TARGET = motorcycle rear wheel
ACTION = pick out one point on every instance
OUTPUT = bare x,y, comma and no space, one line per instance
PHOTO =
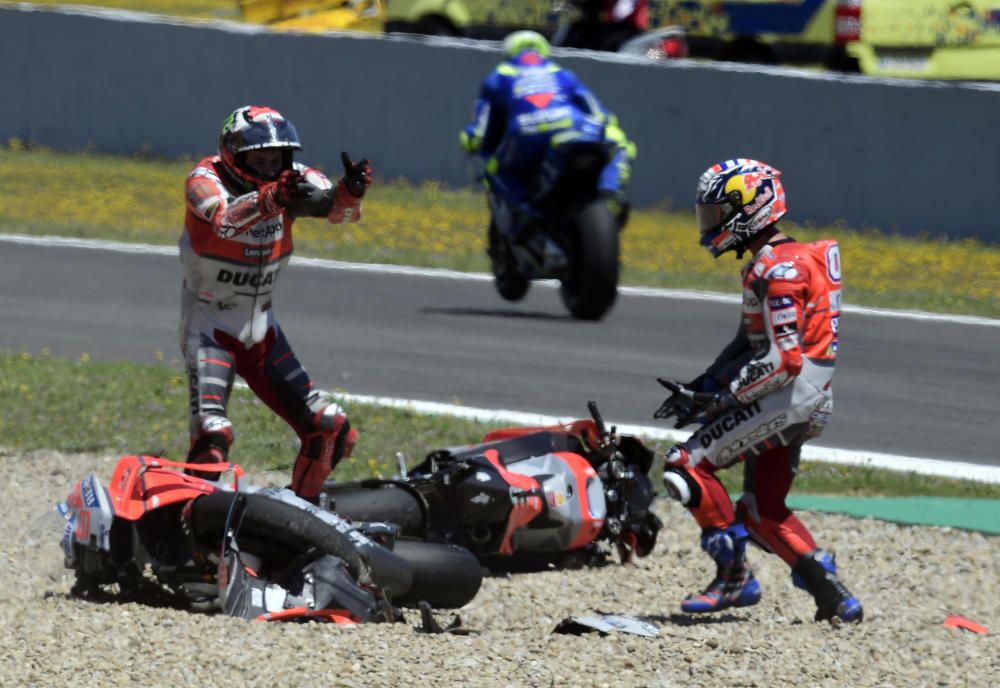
510,283
592,286
274,531
388,503
445,575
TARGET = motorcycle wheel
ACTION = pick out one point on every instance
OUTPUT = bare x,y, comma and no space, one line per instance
592,285
510,283
388,503
444,575
274,531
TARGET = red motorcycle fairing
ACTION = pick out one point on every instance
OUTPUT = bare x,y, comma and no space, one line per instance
585,430
591,517
590,522
341,617
526,505
143,483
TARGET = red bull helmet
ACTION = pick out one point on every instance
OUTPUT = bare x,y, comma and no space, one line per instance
735,201
255,128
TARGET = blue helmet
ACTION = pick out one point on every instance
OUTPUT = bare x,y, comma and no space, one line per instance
250,128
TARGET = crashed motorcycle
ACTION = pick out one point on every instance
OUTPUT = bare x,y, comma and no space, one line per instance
564,496
574,237
160,535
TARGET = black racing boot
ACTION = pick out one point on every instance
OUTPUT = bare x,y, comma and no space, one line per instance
816,573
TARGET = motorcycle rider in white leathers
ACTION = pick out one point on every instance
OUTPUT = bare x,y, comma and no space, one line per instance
768,392
241,205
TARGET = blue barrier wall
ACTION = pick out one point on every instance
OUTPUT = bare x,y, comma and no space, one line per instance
911,157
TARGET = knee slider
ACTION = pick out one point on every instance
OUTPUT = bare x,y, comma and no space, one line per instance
681,486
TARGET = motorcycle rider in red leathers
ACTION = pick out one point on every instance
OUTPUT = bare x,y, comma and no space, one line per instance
763,397
241,205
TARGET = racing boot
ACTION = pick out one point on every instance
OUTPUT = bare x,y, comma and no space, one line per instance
816,573
734,584
211,445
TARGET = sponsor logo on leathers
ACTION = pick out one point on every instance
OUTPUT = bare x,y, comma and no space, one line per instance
727,423
241,278
738,446
785,315
270,230
756,371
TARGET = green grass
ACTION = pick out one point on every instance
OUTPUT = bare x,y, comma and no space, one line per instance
226,9
127,408
132,408
133,199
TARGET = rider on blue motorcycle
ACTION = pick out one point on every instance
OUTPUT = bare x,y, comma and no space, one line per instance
529,114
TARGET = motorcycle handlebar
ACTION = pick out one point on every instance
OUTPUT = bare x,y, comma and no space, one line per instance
606,442
598,420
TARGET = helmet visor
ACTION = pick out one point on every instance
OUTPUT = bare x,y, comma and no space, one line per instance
711,216
269,133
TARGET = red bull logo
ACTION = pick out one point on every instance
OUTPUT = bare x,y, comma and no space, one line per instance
766,195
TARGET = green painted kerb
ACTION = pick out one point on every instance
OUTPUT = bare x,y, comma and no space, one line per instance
969,514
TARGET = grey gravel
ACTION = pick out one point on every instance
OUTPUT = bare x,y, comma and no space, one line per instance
909,578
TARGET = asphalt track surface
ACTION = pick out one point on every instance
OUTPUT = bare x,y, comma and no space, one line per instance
912,387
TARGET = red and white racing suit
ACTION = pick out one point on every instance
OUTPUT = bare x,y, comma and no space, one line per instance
779,367
233,249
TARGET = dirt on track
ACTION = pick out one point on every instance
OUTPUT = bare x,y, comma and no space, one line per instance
909,579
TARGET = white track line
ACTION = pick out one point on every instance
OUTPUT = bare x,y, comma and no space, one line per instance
685,294
935,467
932,467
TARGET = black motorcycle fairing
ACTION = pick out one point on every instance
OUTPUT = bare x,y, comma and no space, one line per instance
636,453
575,184
510,450
485,494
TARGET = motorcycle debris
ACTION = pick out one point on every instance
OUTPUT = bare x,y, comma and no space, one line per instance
605,624
965,623
428,624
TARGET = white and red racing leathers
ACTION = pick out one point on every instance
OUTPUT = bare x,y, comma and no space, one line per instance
779,368
233,249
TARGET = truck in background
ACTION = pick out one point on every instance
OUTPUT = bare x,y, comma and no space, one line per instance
934,39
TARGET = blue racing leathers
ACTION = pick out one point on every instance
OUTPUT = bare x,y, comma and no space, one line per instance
529,114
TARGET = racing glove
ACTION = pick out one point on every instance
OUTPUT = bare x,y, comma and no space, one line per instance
357,175
290,186
347,194
689,405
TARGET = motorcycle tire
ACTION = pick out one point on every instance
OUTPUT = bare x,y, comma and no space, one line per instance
592,286
387,503
510,284
276,532
446,576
